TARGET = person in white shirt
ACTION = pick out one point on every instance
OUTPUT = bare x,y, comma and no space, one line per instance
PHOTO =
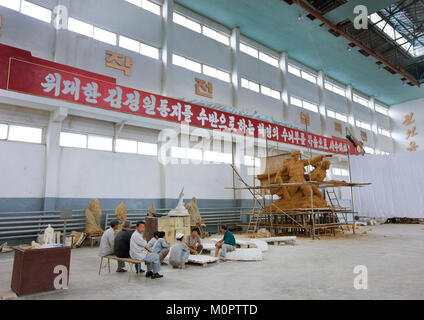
140,251
107,242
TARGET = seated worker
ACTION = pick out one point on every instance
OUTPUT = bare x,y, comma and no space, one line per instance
194,243
122,246
108,239
161,247
152,241
179,253
227,244
140,251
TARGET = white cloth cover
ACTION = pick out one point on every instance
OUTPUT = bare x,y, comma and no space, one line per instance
260,244
397,185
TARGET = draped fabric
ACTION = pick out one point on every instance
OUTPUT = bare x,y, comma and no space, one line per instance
397,185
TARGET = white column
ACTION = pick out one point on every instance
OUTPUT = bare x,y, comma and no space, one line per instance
374,127
62,53
284,66
235,76
322,104
167,45
52,158
349,99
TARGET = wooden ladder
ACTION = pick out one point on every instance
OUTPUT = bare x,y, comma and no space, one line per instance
253,223
334,202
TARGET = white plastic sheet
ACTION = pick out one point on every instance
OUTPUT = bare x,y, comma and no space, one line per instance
397,185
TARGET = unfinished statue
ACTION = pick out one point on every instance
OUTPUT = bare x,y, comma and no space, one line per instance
121,212
152,210
293,171
193,209
93,214
48,237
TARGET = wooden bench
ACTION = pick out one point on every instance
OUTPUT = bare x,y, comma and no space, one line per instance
130,261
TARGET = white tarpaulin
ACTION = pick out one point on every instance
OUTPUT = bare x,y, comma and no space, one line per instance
397,185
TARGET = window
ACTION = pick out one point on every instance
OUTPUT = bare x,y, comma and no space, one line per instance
25,134
104,36
194,154
208,32
369,150
211,156
336,115
146,5
295,71
226,158
260,88
73,140
303,74
268,59
178,152
35,11
127,146
149,149
384,132
250,161
11,4
249,50
3,131
363,125
381,110
360,100
185,22
215,73
331,87
340,172
100,143
303,104
149,51
186,63
80,27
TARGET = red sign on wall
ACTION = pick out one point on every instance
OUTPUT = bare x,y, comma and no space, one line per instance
47,81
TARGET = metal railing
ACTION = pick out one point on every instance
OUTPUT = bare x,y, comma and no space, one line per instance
20,226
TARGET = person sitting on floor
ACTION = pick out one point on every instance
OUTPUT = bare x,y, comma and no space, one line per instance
108,239
227,244
161,247
152,241
122,246
194,243
140,251
179,253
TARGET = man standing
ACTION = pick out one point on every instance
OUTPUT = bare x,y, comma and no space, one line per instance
140,251
108,239
122,245
179,253
193,242
227,244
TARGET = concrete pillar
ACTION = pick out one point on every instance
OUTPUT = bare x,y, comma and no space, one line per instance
235,58
374,126
52,158
60,22
167,45
322,105
284,70
349,99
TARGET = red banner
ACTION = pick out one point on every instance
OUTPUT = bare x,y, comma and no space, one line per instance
40,80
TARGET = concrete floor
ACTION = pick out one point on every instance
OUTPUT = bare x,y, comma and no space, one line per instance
320,269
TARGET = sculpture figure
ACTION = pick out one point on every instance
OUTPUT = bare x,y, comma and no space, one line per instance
48,237
121,213
93,215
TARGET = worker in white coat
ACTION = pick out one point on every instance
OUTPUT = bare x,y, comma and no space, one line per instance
107,242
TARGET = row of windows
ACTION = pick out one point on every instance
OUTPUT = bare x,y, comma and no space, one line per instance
200,68
302,74
260,88
336,115
360,100
197,27
29,9
255,53
20,133
363,125
303,104
333,88
147,5
99,34
384,132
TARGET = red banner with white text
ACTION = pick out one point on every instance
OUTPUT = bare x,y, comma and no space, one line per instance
46,81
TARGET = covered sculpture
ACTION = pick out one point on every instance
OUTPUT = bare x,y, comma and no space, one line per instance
121,212
93,215
194,212
152,210
293,171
